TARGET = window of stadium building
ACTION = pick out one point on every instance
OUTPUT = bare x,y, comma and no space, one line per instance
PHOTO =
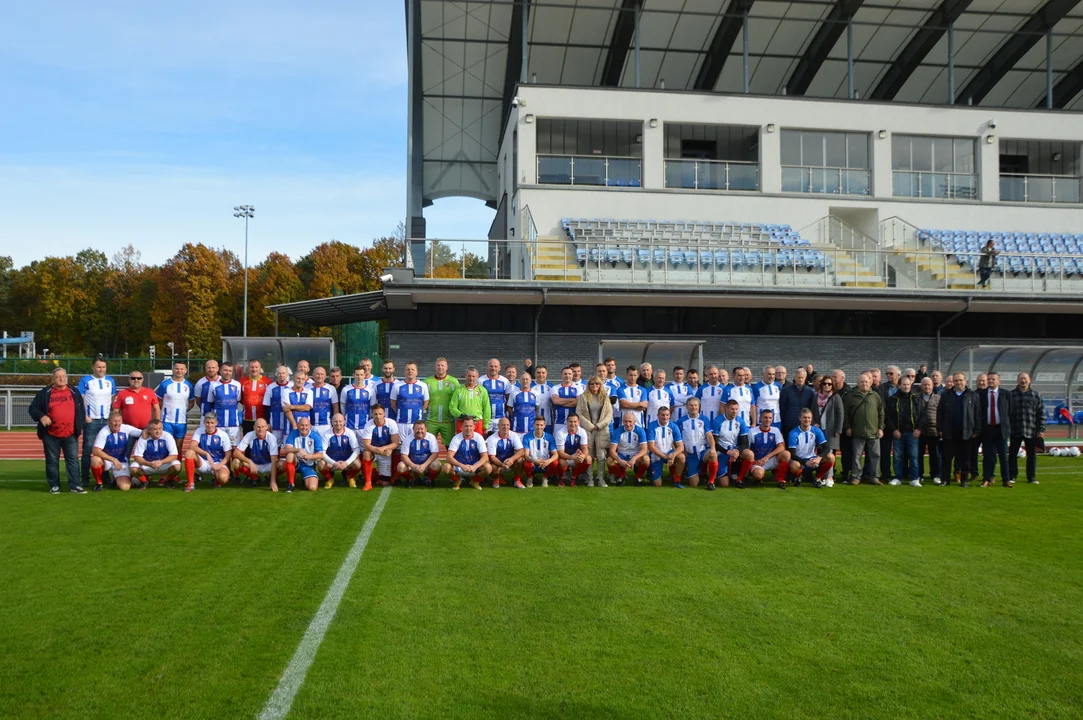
1040,171
933,167
607,153
825,162
712,157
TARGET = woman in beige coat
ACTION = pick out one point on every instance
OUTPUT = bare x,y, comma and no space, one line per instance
595,416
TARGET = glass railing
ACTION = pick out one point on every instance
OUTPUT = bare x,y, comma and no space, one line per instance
826,180
712,175
1040,188
945,186
606,171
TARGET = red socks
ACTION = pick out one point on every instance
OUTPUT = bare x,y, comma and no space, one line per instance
97,472
712,471
434,473
746,465
328,474
528,468
291,472
190,470
823,470
366,468
640,471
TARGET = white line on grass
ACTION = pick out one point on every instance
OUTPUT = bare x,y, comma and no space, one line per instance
278,705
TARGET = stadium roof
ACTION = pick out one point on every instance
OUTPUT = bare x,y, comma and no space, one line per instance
467,58
336,310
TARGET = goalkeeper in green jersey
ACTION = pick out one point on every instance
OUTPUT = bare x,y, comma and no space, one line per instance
441,387
472,399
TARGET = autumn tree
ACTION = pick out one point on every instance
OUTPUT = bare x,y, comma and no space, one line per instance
188,305
272,282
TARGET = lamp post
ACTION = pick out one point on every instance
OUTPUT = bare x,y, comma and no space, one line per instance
247,212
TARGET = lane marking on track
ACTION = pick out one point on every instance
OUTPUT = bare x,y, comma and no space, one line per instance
281,700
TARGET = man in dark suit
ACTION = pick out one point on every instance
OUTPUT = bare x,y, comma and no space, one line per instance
958,421
996,425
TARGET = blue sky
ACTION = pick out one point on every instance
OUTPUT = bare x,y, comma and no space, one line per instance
145,123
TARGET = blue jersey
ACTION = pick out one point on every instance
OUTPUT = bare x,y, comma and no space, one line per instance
379,435
151,450
313,443
262,451
323,400
503,448
304,397
273,400
174,398
356,402
466,450
97,396
711,398
421,450
763,443
545,401
694,434
340,447
560,412
498,388
629,442
571,442
665,437
383,393
540,448
115,444
409,399
203,394
728,433
766,397
226,400
524,408
216,445
805,442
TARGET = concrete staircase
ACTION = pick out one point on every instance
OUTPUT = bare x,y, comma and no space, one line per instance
955,277
556,260
851,273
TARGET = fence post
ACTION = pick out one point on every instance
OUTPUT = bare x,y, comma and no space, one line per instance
7,409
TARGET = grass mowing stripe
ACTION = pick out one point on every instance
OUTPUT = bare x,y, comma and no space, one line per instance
278,705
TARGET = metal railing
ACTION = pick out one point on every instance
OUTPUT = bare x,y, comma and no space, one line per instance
825,180
943,185
15,407
712,175
598,170
852,260
1040,188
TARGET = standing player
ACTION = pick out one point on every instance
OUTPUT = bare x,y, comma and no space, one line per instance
225,398
257,455
667,449
420,464
297,402
695,432
523,404
156,454
304,451
467,456
366,365
681,392
693,383
111,452
573,447
276,395
473,400
729,445
498,387
768,450
208,453
766,393
175,394
409,402
632,398
505,453
712,395
544,388
324,401
628,450
204,385
511,373
441,387
340,452
577,377
97,390
304,368
564,398
658,397
808,447
386,385
541,455
137,404
742,394
380,440
356,400
253,389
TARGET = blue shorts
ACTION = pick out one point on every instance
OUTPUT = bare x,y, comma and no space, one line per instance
656,467
692,462
306,471
176,430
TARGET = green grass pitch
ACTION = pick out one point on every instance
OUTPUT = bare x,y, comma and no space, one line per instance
557,603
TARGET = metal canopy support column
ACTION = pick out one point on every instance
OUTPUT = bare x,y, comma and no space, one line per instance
733,21
621,41
951,64
1049,69
744,49
638,12
1067,88
850,56
415,166
523,77
921,44
829,32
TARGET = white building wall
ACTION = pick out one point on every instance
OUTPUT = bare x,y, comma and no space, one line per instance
549,203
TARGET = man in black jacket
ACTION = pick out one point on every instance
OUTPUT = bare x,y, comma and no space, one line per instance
887,390
996,426
958,421
841,389
901,423
61,416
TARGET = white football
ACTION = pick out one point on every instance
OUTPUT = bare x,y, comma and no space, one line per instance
1073,451
1055,452
1022,452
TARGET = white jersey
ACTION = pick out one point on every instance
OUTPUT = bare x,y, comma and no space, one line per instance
503,448
340,448
632,394
379,436
571,442
262,451
711,398
681,392
115,444
203,388
694,434
174,396
743,396
97,396
658,398
767,397
151,450
630,442
727,433
545,402
665,437
540,448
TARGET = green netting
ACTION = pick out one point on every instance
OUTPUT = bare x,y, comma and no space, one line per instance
354,341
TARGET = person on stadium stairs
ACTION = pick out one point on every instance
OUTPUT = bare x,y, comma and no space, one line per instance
564,399
341,453
419,464
471,399
666,446
595,411
380,439
208,453
97,391
728,456
277,394
441,387
497,387
155,454
628,450
175,394
695,431
325,402
467,456
811,458
768,451
573,447
304,452
541,455
257,455
111,452
506,452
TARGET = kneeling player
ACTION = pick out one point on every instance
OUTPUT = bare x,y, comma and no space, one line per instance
257,455
728,457
208,453
812,460
157,455
628,451
541,455
341,452
695,431
667,449
304,451
768,450
505,453
573,447
380,440
467,456
111,452
419,465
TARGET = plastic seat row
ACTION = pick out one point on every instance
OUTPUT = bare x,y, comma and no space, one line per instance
704,259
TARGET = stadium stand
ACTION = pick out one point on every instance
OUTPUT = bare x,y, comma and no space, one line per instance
1022,253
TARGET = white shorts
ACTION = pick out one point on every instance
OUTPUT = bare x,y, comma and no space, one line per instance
382,463
280,435
160,470
204,467
234,435
771,464
264,468
122,471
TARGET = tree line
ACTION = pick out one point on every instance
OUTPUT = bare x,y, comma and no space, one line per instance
89,303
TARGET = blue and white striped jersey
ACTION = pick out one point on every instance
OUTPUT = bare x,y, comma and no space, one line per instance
743,396
216,445
805,442
304,397
383,393
540,448
115,444
545,401
324,398
711,398
498,388
503,448
421,450
174,396
225,398
262,451
356,402
727,433
680,392
150,449
560,412
762,443
273,399
631,393
203,391
97,396
658,398
409,399
630,442
524,408
694,434
766,397
665,437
